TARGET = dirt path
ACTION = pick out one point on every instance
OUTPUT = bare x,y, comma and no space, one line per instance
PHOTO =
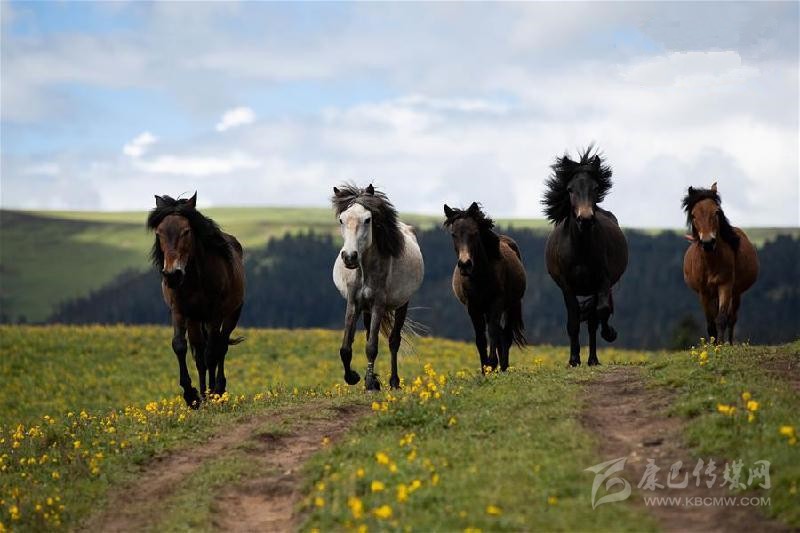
630,421
265,502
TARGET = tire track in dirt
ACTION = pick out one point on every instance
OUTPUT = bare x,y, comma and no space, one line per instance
266,501
630,420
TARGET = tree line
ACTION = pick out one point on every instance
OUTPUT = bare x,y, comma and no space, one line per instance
289,284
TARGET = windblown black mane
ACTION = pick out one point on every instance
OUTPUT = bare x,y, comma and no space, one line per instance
490,239
207,235
556,197
385,230
726,231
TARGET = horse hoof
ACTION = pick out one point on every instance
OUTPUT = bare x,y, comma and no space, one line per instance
609,334
372,383
192,398
352,377
593,362
394,382
574,362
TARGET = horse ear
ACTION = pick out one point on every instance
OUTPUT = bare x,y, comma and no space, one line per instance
370,189
474,207
714,186
160,202
596,162
336,191
192,202
691,190
448,213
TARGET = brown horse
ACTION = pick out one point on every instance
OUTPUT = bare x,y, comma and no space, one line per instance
489,280
720,263
203,285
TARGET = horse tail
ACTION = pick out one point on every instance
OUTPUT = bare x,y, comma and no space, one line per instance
237,340
411,329
515,325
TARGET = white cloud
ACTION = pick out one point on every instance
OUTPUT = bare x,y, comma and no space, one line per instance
42,169
139,144
198,165
238,116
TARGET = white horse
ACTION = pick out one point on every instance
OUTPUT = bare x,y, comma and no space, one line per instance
378,270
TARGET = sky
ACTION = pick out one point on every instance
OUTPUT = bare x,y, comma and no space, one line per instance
104,104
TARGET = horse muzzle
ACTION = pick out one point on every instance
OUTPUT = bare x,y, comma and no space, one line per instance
465,267
350,260
174,278
709,245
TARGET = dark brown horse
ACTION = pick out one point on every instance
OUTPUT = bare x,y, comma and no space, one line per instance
720,264
489,280
586,253
203,285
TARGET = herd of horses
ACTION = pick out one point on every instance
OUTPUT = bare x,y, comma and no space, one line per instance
380,267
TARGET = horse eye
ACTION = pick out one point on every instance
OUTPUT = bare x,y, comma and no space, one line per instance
367,220
569,190
341,221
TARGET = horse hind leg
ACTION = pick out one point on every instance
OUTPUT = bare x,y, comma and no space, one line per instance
592,323
734,316
608,333
228,325
394,342
371,379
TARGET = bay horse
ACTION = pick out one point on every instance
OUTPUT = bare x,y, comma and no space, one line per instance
489,280
720,264
202,281
586,252
379,268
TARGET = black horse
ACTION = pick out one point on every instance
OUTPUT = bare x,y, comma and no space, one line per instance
586,253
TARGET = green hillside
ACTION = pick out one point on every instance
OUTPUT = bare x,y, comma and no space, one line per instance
47,257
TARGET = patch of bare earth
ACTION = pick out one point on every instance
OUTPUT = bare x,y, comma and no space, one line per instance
266,501
784,366
630,421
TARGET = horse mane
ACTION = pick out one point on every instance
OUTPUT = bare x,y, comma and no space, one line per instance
490,239
385,224
556,197
726,231
207,234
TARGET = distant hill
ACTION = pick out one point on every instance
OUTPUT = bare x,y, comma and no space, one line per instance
48,257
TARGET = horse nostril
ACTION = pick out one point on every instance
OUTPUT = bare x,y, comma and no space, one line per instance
465,265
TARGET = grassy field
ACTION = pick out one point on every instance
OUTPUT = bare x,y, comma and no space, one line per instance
83,407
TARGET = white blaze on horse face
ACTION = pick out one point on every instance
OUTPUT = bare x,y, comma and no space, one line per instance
356,223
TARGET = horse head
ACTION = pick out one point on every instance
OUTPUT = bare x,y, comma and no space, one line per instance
473,238
175,240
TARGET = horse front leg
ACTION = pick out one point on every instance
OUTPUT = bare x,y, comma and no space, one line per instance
734,316
351,377
179,346
371,380
479,325
724,312
197,340
573,327
394,342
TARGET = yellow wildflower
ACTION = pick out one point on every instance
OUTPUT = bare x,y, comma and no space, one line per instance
377,486
752,405
360,473
319,501
402,493
493,510
726,409
356,506
382,458
552,500
383,512
746,396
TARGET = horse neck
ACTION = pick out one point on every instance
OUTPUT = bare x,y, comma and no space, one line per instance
373,266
